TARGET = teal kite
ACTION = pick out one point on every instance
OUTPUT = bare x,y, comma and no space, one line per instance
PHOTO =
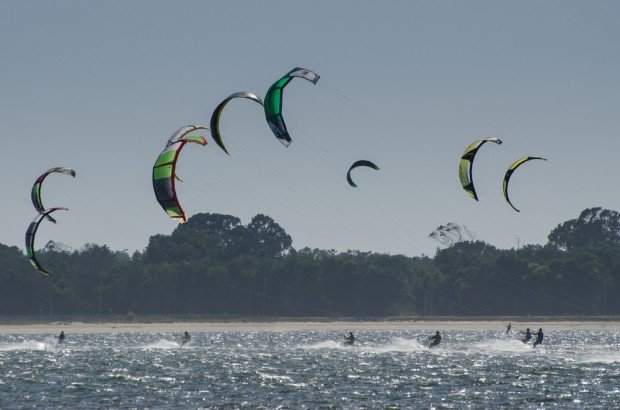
273,102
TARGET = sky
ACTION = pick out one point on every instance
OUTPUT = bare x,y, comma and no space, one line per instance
100,86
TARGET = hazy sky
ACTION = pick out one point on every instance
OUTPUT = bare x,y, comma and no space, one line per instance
100,86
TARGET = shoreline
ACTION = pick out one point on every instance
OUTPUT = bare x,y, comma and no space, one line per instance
178,325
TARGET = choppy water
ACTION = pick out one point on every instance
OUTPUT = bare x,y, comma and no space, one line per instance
311,369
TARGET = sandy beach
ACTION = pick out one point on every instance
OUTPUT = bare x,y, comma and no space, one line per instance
286,326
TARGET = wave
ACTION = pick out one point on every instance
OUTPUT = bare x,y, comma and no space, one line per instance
607,359
605,356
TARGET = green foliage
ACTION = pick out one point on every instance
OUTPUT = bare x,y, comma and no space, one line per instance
594,226
216,265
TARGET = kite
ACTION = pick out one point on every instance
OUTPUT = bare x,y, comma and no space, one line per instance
35,194
509,172
30,235
215,117
467,162
360,163
273,102
164,173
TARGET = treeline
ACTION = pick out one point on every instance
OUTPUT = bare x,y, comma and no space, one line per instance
216,265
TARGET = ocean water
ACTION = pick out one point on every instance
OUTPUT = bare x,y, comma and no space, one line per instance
311,369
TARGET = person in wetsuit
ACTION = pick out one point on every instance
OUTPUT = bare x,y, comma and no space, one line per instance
528,335
349,340
186,338
539,337
508,328
60,337
435,340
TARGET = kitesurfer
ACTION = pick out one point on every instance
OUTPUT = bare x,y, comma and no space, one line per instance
539,337
349,340
60,337
435,340
186,338
508,327
528,335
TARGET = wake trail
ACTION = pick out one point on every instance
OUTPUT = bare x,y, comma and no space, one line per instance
26,345
395,345
161,344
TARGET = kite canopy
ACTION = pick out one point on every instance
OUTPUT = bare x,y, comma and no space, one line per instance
215,117
182,132
360,163
30,236
509,172
164,174
35,194
273,102
467,162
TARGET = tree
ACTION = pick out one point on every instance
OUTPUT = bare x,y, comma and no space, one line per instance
593,225
451,234
216,265
267,238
